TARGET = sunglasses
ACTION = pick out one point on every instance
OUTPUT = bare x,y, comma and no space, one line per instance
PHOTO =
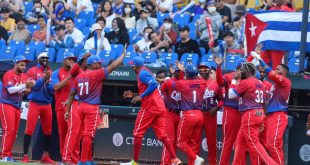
203,70
44,58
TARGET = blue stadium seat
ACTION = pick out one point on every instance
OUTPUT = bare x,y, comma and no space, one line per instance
107,30
49,51
83,51
2,43
169,58
175,8
33,28
118,49
80,23
106,56
77,48
136,38
17,44
37,45
202,50
7,53
129,57
28,7
132,33
192,32
130,48
190,57
149,57
28,52
181,19
86,31
60,54
208,58
231,62
196,17
88,16
161,17
293,65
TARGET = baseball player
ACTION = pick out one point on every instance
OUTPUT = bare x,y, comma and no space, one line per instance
172,101
71,153
88,88
40,99
61,84
191,118
251,95
213,101
15,83
152,113
276,120
231,115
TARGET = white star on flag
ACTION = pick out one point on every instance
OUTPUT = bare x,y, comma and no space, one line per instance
253,28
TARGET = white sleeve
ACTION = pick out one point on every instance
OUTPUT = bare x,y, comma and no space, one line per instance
106,44
88,44
232,94
17,89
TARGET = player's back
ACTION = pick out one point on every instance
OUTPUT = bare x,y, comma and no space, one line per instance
172,97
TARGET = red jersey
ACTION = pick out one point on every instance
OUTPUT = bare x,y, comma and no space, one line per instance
251,94
213,95
282,8
267,85
171,97
10,79
88,85
61,96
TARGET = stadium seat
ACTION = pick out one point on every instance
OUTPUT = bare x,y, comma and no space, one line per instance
118,49
130,48
181,19
149,57
231,62
37,45
169,58
132,35
175,8
49,51
7,53
80,23
33,28
135,39
28,52
192,32
17,44
86,31
196,17
161,17
190,57
60,54
293,65
202,50
77,48
88,16
2,43
83,51
107,30
107,56
208,58
129,57
28,6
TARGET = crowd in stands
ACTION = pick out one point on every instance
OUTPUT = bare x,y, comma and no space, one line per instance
155,29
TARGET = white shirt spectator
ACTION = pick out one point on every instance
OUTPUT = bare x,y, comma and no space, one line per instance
70,4
167,4
103,44
109,20
130,22
77,36
87,3
144,45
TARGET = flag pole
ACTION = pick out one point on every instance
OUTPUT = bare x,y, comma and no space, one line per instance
303,39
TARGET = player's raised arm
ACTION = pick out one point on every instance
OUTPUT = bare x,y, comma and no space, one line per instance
219,74
117,62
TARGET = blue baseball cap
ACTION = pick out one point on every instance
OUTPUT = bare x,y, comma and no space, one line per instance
211,3
20,58
204,64
137,61
93,59
191,71
69,55
240,61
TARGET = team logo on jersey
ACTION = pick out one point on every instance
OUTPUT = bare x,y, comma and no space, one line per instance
208,94
118,139
176,96
271,92
304,152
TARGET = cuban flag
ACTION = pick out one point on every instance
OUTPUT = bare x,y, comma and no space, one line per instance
275,30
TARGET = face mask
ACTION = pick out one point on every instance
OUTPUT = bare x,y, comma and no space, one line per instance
202,1
212,9
146,36
115,29
127,10
38,10
167,26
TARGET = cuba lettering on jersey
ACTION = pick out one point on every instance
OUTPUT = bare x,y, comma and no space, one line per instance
88,85
192,92
61,95
279,93
212,94
234,103
251,94
267,85
171,97
10,79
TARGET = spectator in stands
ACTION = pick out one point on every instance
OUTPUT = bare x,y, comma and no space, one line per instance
145,21
129,18
158,45
167,33
40,35
3,34
200,8
107,12
224,11
143,45
101,43
186,45
101,21
163,6
7,22
60,13
16,7
71,5
83,5
118,7
61,40
279,5
38,9
216,23
20,33
236,29
73,32
229,45
119,34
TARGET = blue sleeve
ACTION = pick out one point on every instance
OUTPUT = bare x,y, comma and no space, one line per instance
50,88
147,79
55,78
265,66
38,84
69,43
